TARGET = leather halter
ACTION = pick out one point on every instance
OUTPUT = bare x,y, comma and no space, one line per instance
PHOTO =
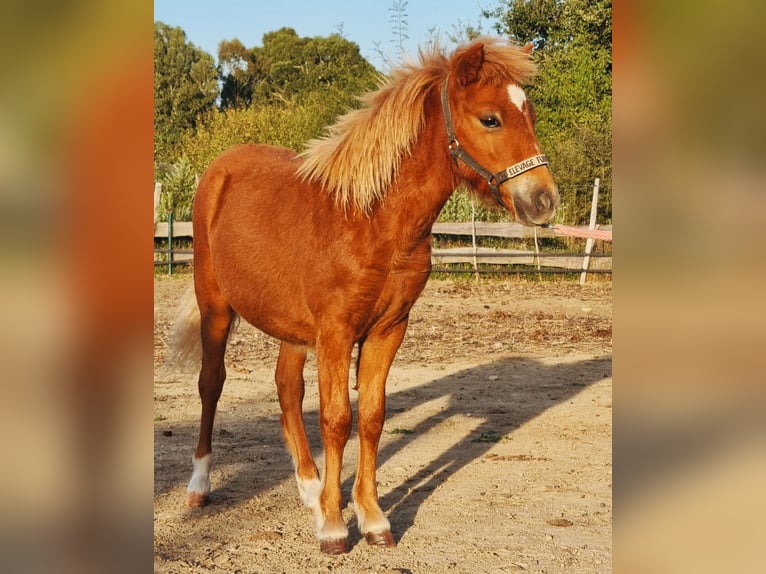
494,180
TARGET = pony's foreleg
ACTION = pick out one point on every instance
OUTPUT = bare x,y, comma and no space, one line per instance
375,357
215,325
290,388
333,358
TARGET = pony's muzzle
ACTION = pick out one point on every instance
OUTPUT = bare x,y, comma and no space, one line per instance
545,202
536,205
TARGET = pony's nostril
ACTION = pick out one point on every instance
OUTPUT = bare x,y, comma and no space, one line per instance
544,201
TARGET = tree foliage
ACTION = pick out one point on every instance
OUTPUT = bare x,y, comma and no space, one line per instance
237,69
531,21
284,93
321,76
289,67
185,85
178,184
286,123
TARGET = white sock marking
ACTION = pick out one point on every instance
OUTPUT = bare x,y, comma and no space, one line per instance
366,526
200,480
309,491
327,533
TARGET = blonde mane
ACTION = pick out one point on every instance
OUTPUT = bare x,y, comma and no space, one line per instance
360,155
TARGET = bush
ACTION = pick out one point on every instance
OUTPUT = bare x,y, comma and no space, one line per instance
179,183
462,205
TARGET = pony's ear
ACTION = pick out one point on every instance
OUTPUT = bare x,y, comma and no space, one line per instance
528,47
469,64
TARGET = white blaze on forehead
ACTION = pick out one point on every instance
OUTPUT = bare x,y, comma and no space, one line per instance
517,96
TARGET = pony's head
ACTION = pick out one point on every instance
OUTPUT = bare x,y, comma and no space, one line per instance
490,129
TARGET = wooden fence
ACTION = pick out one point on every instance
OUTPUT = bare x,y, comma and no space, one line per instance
477,257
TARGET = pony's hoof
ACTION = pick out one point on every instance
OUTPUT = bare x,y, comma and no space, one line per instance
196,499
382,539
334,547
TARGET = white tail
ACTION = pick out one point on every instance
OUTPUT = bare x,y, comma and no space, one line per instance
185,346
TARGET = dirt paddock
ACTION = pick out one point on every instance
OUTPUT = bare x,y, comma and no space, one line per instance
495,455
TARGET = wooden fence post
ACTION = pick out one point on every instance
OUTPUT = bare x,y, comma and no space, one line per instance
589,242
157,192
170,242
473,240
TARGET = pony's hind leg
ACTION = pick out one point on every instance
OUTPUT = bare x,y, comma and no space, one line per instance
290,388
216,321
376,354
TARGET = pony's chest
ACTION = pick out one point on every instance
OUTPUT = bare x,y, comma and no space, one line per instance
400,280
399,294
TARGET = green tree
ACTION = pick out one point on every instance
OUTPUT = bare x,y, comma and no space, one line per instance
295,66
534,21
237,68
283,93
185,85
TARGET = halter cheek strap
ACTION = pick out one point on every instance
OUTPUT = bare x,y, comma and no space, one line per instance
494,180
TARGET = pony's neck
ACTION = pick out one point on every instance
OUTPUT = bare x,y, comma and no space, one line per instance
425,181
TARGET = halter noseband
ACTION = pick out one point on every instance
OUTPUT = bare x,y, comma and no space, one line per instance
494,180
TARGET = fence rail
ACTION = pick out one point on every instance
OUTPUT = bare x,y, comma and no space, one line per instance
527,260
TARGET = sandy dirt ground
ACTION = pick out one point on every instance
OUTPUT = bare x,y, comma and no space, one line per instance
495,455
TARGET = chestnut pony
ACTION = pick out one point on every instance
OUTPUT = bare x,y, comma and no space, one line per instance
330,249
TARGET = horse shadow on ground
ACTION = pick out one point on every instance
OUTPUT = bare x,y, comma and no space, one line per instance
500,396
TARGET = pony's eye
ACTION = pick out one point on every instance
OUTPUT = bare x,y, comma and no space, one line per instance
490,122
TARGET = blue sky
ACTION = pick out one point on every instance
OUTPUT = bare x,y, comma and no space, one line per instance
365,22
